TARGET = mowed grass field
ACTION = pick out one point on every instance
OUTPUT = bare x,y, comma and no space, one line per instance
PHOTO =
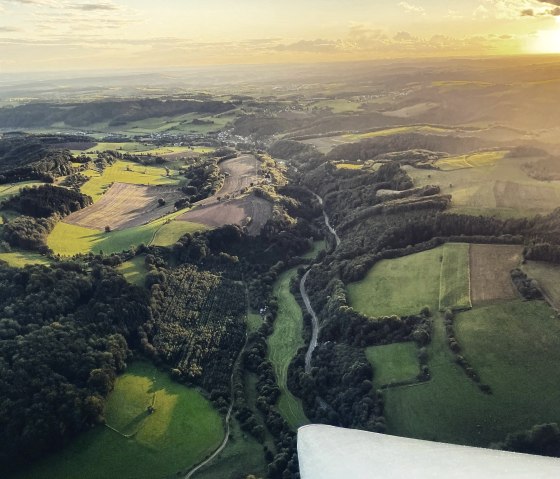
401,286
455,283
181,432
512,346
393,363
548,277
283,345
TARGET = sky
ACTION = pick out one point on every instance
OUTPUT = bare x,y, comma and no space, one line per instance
62,35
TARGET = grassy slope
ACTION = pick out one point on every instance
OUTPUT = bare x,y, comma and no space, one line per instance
19,259
68,240
510,345
455,288
283,345
12,189
400,286
393,363
181,432
134,270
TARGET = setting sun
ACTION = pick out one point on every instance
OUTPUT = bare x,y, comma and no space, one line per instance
548,41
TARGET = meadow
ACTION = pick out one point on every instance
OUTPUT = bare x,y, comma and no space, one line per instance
509,345
182,431
473,160
69,240
19,259
399,286
283,345
12,189
393,363
134,270
455,283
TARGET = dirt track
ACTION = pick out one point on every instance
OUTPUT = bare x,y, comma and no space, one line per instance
490,267
125,205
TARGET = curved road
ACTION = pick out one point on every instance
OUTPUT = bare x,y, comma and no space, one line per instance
305,297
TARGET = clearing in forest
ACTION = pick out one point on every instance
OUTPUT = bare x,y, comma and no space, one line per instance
547,276
400,286
249,211
182,431
283,345
455,283
393,363
125,205
134,270
490,272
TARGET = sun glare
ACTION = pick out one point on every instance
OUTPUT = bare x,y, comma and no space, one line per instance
548,41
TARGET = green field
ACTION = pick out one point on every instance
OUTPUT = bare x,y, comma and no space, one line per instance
242,456
548,277
254,322
474,160
455,282
512,346
399,286
393,363
12,189
337,105
348,166
19,259
182,431
169,233
134,270
426,129
69,240
125,172
283,345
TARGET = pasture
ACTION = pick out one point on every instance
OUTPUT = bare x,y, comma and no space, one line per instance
490,267
511,345
400,286
455,283
283,345
393,363
125,205
181,432
548,277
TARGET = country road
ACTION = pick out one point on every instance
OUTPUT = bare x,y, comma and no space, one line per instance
305,296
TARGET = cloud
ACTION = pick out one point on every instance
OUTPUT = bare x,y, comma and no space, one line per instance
92,7
414,9
8,29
